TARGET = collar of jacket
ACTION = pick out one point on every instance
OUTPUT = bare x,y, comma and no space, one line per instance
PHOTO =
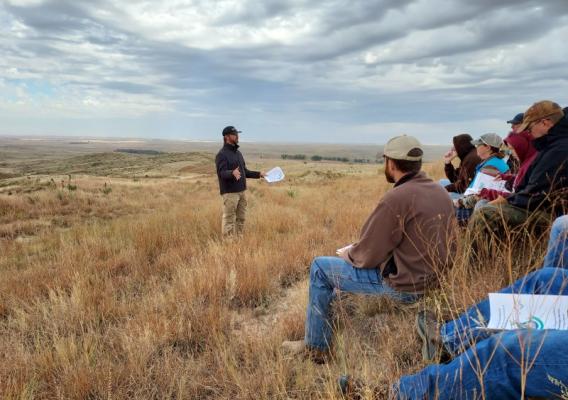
405,178
557,132
233,147
541,143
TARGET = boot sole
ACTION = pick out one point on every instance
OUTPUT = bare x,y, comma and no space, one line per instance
429,349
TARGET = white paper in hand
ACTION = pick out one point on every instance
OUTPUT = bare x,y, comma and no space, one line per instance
483,180
274,175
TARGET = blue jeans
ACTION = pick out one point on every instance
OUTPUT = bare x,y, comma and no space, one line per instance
508,365
496,365
557,254
453,195
329,274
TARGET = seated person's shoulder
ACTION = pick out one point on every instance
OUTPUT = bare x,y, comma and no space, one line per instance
405,193
558,152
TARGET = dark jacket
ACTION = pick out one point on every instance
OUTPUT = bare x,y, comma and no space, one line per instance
227,159
546,180
462,176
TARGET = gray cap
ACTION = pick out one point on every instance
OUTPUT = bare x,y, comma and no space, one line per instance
490,139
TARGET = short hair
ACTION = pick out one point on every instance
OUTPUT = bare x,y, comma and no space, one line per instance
406,166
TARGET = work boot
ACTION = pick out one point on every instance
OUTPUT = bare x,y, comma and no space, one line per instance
428,329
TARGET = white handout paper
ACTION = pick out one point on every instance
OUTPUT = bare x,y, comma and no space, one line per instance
485,181
528,311
274,175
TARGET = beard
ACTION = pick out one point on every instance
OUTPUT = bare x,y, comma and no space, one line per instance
390,178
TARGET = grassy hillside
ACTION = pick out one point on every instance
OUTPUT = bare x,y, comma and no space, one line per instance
113,286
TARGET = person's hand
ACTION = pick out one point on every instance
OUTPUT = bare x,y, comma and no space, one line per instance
342,252
450,155
498,177
262,174
498,200
237,173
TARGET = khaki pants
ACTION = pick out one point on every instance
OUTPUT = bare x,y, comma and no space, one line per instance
498,218
234,213
492,224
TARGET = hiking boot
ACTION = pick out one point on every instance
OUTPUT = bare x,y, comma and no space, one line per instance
428,329
356,389
298,348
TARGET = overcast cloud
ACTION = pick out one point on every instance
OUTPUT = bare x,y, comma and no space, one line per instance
336,71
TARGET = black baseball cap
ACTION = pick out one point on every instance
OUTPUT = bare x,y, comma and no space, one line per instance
517,119
230,130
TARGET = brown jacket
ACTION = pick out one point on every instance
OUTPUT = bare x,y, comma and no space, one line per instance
409,235
462,176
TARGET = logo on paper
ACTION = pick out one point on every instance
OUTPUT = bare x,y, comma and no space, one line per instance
533,323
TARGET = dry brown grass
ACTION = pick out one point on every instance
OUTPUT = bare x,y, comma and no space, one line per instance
132,294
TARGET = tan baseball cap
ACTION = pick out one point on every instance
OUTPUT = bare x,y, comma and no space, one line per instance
403,147
540,110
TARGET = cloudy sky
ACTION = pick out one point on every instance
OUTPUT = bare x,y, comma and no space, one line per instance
282,71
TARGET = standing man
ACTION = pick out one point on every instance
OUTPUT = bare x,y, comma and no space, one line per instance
404,246
232,173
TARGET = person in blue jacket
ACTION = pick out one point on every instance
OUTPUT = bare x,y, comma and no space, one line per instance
488,148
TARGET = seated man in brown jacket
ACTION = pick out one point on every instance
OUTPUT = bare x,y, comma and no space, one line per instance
404,244
459,178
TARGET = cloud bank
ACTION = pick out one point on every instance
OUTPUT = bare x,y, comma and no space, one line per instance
338,71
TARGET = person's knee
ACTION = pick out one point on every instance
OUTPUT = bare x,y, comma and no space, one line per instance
483,214
317,270
489,211
550,277
315,267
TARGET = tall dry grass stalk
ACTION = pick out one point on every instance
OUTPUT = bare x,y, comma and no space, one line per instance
133,294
